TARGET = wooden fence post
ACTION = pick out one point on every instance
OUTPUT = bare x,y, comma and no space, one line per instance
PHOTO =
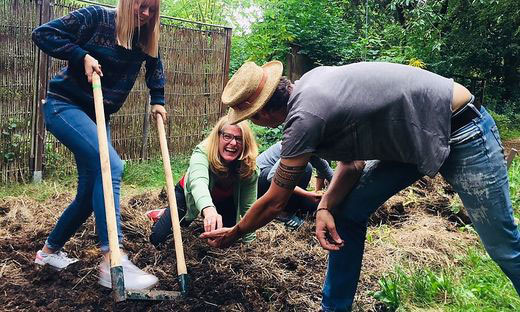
226,65
38,132
510,157
146,129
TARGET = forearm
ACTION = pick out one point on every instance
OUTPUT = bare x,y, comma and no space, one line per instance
155,80
301,192
345,177
320,184
261,212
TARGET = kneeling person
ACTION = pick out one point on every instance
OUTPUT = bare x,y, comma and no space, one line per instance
301,200
220,183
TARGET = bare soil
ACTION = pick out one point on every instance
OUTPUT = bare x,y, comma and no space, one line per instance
508,145
282,270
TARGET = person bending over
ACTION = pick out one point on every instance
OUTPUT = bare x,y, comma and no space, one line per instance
114,44
411,121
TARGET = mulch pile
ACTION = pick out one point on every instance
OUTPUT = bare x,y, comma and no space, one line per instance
282,270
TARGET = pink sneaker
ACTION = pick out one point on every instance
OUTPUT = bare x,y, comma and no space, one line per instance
155,215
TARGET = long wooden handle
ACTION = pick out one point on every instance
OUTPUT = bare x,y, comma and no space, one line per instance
115,255
179,250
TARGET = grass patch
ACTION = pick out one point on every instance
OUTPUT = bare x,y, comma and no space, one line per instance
144,175
38,191
150,174
475,284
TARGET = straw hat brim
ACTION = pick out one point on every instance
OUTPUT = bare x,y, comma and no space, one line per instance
273,70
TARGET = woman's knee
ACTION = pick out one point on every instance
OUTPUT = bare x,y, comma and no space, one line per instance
116,166
161,229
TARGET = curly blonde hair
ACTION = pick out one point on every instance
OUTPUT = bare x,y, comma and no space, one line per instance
247,166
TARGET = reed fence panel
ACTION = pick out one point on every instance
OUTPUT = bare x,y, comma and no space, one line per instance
196,64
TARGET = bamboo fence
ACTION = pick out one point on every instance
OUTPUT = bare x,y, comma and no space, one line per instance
196,63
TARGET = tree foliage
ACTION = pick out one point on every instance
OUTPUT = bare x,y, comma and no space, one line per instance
479,39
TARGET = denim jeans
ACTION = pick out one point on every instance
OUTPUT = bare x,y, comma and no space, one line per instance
77,131
296,202
475,169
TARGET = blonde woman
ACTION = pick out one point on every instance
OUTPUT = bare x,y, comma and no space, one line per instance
114,44
220,184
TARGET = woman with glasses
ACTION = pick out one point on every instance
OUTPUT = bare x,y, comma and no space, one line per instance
220,183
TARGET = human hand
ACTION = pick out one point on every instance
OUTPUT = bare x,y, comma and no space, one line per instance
91,65
326,231
223,237
159,109
212,220
314,197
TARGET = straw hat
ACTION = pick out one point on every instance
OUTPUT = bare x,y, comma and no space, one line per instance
250,88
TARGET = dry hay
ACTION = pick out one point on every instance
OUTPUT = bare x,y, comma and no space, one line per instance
281,271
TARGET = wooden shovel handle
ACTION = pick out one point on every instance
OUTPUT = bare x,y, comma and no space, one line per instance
115,255
179,250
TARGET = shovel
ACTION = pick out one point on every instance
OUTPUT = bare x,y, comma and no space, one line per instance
116,269
179,250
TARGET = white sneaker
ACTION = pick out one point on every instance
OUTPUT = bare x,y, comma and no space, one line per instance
135,278
57,260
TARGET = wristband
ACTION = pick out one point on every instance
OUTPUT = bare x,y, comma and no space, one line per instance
322,208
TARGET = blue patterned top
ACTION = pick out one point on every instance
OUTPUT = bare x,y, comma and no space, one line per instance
92,30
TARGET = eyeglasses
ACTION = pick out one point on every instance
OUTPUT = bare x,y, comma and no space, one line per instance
228,137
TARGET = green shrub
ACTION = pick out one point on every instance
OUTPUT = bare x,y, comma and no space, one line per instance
508,125
266,137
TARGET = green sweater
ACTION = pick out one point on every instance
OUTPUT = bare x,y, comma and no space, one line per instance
200,180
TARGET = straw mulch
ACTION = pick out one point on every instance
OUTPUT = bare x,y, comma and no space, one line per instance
281,271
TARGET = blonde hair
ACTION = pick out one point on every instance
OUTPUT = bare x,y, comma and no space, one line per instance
249,150
126,23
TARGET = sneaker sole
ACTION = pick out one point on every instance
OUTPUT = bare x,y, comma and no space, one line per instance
109,285
43,264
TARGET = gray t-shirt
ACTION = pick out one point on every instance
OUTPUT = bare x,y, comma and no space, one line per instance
270,159
368,111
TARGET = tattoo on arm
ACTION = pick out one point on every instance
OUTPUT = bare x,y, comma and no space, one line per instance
287,177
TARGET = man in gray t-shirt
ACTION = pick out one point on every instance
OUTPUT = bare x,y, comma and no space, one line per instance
413,122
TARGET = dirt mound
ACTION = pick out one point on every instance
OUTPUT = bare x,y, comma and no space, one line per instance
281,271
508,145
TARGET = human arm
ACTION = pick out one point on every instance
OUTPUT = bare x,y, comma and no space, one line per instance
267,207
322,167
345,177
155,82
63,38
198,184
320,183
312,196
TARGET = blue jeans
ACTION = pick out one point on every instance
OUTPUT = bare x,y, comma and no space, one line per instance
475,169
77,131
